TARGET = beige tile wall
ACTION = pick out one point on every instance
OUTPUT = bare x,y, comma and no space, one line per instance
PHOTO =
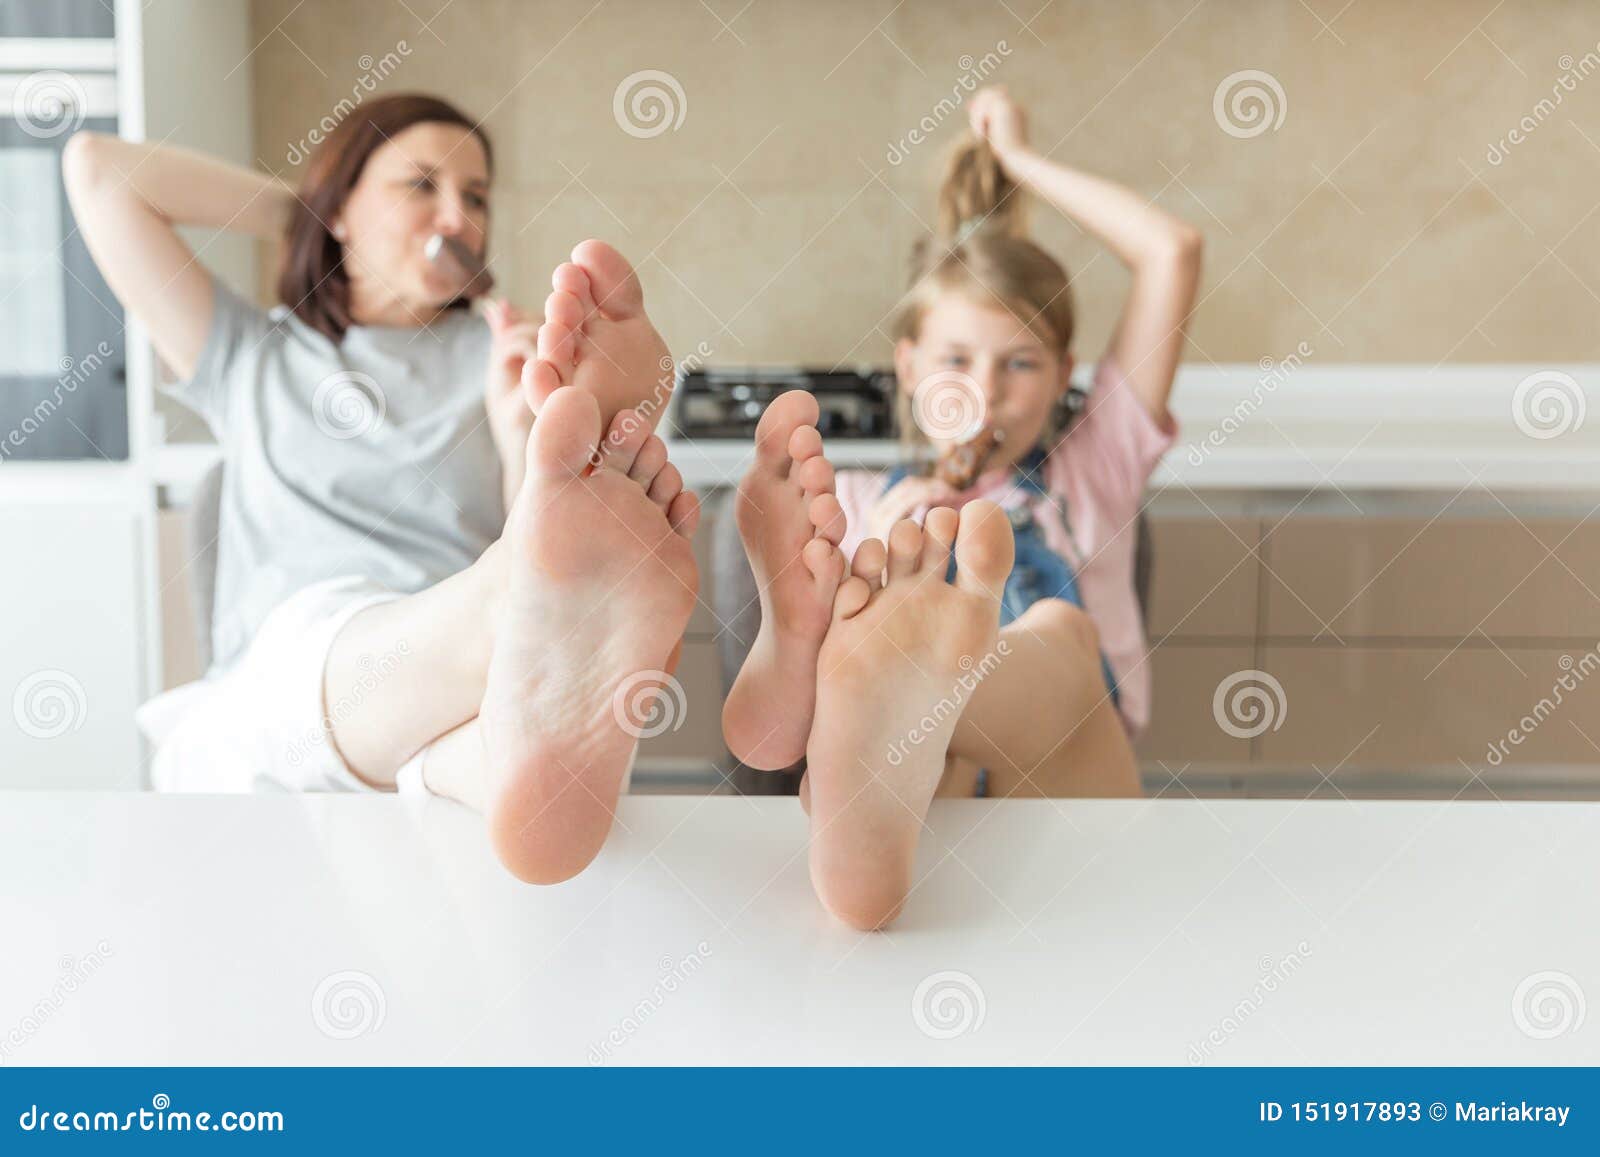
771,226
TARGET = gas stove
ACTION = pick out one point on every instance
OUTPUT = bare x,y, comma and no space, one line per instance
727,402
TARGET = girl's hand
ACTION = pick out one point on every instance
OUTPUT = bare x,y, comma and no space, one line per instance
999,120
900,500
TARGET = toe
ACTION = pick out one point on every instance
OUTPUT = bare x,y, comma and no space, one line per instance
805,443
540,379
905,549
828,517
938,535
869,562
557,343
563,308
815,474
649,462
665,487
852,595
984,549
788,412
615,285
824,561
563,441
570,278
624,440
684,513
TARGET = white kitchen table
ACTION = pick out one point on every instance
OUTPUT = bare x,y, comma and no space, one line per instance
379,930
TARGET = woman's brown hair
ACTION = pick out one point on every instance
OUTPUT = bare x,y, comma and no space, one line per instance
981,251
312,281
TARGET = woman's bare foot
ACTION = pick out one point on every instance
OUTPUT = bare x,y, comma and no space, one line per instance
791,524
600,586
597,336
898,666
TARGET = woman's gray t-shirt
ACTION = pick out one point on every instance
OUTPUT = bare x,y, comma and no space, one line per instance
371,457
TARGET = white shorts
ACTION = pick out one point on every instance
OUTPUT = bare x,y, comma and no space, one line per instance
261,725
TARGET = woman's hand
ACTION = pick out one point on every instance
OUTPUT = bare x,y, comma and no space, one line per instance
514,340
999,120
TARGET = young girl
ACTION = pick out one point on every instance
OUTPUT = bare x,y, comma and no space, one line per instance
991,310
983,360
1046,707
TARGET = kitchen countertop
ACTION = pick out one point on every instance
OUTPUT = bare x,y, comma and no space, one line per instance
1389,429
378,930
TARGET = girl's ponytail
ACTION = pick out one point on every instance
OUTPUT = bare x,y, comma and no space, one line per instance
975,193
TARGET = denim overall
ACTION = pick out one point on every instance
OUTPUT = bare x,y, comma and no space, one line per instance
1039,572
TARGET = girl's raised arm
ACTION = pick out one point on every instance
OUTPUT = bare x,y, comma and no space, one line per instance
1162,252
129,197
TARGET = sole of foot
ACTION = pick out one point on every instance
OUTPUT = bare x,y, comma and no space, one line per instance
791,524
901,657
601,580
597,336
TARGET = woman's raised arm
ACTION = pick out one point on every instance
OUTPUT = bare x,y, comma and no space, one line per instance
129,197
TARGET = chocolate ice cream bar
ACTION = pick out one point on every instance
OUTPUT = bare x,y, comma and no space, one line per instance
960,465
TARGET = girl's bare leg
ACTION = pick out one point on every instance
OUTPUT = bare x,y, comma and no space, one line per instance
1042,721
1069,744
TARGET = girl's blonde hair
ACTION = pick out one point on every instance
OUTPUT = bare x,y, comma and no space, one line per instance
982,252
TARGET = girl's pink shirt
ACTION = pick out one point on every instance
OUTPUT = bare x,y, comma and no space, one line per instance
1098,472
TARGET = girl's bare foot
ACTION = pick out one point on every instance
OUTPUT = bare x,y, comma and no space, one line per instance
791,524
898,666
596,336
600,585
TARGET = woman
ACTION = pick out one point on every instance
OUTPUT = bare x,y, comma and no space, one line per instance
376,432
